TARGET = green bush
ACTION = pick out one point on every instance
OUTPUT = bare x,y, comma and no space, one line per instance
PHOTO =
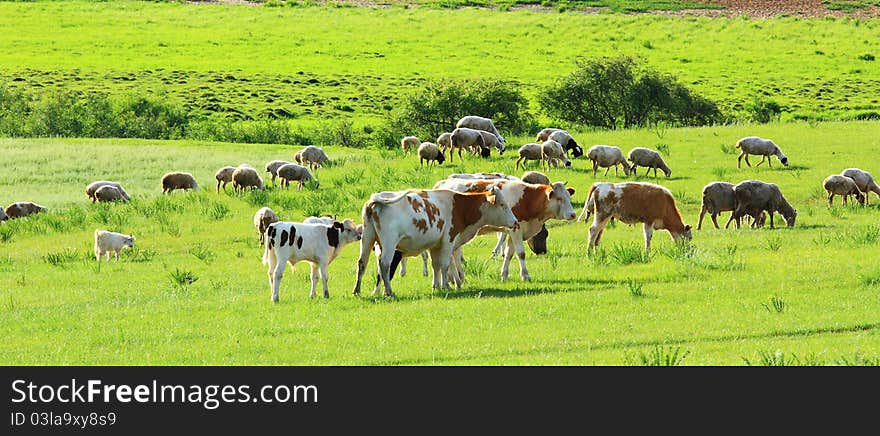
620,93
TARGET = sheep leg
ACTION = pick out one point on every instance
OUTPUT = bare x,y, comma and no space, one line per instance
729,221
830,199
739,160
606,171
595,167
769,162
655,172
771,219
517,163
844,199
460,159
649,232
714,217
218,186
763,158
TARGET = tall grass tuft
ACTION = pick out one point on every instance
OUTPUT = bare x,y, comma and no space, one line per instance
216,211
774,358
659,356
626,254
871,279
635,288
202,252
62,257
775,304
182,279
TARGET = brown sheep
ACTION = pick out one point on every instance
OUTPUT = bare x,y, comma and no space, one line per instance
294,172
719,197
109,193
535,177
272,168
409,143
842,186
93,187
23,209
224,176
754,197
178,180
262,219
244,177
863,180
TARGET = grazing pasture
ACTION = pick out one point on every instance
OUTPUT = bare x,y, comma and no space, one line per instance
193,289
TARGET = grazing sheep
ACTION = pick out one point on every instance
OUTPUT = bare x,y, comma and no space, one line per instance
530,151
409,143
177,180
23,209
544,134
106,241
568,143
863,180
262,219
428,151
464,137
313,157
607,156
298,157
719,197
295,172
490,141
93,187
244,177
224,176
550,150
272,168
535,177
843,186
758,146
754,197
3,216
643,157
444,141
109,193
484,124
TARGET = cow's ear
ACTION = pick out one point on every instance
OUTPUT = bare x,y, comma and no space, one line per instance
492,199
551,194
570,191
687,227
338,225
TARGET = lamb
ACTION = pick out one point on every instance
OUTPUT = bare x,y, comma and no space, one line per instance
444,141
863,180
758,146
545,133
550,150
428,151
607,156
262,219
177,180
244,177
484,124
93,187
224,176
568,143
843,186
109,193
754,196
295,172
313,157
719,197
23,209
106,241
464,137
643,157
409,143
272,168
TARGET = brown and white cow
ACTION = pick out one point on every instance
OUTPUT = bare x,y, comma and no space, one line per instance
533,204
631,203
439,221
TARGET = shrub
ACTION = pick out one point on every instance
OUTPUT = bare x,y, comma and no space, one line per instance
764,111
620,93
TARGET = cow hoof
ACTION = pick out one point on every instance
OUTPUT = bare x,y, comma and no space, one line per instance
526,278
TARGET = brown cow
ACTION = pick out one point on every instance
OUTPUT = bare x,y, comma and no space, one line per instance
634,202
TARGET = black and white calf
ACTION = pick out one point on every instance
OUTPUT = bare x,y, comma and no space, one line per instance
316,243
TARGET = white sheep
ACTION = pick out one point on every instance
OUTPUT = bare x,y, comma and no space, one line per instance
444,141
643,157
272,168
313,157
262,219
484,124
568,143
462,138
224,176
106,241
294,172
409,143
428,151
758,146
843,186
550,150
607,156
864,180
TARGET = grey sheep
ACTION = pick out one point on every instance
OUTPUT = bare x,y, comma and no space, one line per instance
428,151
224,176
754,197
294,172
568,143
313,157
843,186
93,187
464,138
444,141
607,156
272,168
863,180
244,177
643,157
719,197
551,150
109,193
484,124
759,146
178,180
545,133
535,177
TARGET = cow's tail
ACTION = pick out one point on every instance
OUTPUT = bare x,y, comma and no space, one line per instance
589,205
378,198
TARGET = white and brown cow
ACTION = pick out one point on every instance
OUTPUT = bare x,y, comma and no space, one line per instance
317,244
439,221
631,203
532,204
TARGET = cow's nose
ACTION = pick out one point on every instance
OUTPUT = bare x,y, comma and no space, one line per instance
572,216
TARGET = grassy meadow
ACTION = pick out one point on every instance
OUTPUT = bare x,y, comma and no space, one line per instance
309,64
803,295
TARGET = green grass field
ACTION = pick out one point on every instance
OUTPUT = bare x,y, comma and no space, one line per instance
803,295
311,63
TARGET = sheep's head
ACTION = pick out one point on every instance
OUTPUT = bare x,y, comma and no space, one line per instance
485,151
128,241
790,217
440,157
782,158
686,235
859,197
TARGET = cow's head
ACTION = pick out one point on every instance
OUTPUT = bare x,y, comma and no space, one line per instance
790,217
498,213
560,201
686,235
348,231
128,241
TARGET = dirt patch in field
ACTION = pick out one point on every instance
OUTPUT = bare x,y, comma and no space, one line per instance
773,8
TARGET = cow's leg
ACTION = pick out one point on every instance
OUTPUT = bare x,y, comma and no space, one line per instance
314,276
499,247
445,258
436,264
703,211
402,266
649,232
517,238
455,268
275,276
385,260
596,230
508,254
425,263
323,268
715,219
368,240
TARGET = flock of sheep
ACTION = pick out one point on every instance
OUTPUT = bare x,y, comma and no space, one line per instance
753,199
